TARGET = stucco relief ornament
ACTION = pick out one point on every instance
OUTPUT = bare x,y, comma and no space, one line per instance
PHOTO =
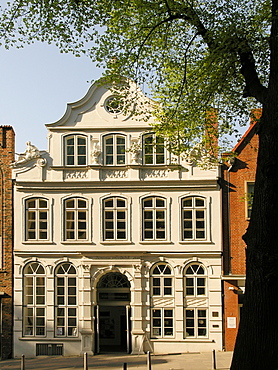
95,153
200,156
31,152
135,150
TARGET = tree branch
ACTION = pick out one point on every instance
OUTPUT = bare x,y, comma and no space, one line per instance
253,86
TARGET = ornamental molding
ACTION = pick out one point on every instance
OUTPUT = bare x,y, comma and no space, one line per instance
155,173
95,152
75,175
114,174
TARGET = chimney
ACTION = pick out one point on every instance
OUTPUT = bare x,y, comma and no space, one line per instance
211,132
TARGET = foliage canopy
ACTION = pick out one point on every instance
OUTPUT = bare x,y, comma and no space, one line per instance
193,55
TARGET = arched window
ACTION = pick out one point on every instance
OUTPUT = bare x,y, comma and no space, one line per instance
34,300
195,280
115,219
153,149
193,218
36,219
76,219
66,301
162,280
195,291
114,150
162,315
154,218
113,280
75,150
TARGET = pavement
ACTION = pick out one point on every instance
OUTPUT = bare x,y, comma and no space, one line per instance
184,361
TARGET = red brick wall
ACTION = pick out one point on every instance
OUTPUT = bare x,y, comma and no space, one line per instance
231,310
7,143
236,222
241,173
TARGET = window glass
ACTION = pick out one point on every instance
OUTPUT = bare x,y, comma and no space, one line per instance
36,219
34,321
193,218
195,281
76,219
114,150
115,219
153,149
162,322
66,301
250,196
196,323
75,150
154,218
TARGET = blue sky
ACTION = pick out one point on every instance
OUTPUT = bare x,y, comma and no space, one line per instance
36,83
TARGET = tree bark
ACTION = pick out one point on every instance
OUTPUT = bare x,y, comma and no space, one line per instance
257,340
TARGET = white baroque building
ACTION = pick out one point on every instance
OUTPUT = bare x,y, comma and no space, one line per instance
116,248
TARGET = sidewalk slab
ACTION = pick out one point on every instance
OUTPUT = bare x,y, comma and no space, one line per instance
185,361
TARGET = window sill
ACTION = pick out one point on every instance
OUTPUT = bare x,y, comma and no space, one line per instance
74,242
155,242
116,242
195,242
193,340
47,339
37,242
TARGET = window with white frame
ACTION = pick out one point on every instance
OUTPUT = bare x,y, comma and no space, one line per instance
195,280
154,149
195,285
114,150
76,219
250,196
115,219
36,219
75,150
162,280
196,322
34,321
162,322
154,218
66,301
193,218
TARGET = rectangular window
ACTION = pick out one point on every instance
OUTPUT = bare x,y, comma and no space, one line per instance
76,215
154,219
115,219
196,323
75,150
250,196
193,218
153,149
114,150
162,322
37,219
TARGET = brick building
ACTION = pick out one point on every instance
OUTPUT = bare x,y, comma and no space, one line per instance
239,177
7,140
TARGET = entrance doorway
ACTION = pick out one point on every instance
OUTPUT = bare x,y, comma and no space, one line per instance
113,314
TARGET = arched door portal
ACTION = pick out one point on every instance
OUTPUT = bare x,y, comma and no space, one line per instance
113,313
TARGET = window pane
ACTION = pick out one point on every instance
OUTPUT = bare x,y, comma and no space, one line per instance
199,202
148,202
108,203
187,202
42,203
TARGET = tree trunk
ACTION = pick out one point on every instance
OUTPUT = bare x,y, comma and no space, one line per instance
257,340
